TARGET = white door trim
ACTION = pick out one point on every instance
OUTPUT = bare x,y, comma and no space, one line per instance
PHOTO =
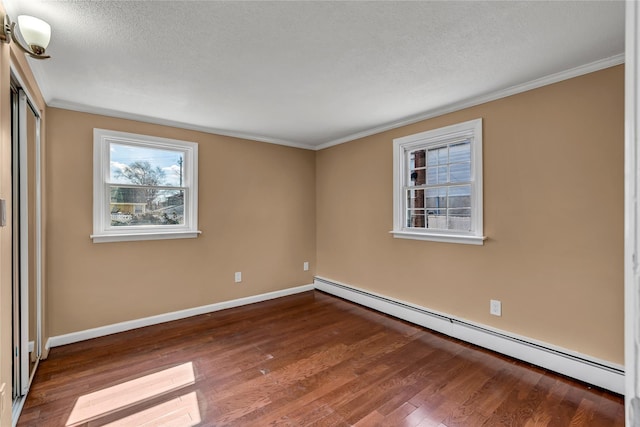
632,217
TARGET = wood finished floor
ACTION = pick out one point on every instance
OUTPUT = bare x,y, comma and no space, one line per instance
305,360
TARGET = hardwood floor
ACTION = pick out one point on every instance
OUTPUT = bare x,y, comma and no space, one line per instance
305,360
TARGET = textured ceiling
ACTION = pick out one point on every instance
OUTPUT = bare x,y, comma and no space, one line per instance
307,73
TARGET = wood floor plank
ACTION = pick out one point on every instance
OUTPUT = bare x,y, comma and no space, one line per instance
397,417
309,359
308,389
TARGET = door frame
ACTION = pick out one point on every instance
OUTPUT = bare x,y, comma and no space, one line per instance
632,215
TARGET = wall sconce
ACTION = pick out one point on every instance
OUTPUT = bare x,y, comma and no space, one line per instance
35,32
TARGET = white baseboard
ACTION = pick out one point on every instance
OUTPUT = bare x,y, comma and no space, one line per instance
585,368
572,364
167,317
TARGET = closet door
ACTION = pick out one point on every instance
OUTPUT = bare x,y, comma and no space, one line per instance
26,241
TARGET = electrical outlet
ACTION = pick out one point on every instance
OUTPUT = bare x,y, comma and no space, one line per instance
238,277
495,307
305,266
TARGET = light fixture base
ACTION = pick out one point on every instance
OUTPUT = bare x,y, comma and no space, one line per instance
5,34
8,33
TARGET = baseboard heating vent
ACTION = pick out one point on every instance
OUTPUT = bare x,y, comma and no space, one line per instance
584,368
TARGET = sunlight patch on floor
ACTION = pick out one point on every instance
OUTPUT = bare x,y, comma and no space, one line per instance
116,398
182,411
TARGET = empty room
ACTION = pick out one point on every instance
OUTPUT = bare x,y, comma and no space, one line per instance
319,213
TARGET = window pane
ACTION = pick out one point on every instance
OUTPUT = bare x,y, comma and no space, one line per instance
418,177
443,157
432,157
415,199
460,172
131,164
460,152
436,198
443,174
438,175
437,218
432,176
460,219
417,159
415,218
460,196
146,206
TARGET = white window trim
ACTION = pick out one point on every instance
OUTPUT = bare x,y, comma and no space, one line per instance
473,129
102,230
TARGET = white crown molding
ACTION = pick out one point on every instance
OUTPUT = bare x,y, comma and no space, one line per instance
471,102
482,99
65,105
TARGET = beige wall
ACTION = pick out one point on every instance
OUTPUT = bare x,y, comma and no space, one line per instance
256,213
553,163
553,213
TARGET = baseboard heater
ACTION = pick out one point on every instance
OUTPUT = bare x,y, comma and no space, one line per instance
584,368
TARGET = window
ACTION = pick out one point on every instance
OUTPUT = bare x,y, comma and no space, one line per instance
438,185
143,187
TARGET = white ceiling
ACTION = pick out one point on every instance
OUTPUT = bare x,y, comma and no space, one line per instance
308,74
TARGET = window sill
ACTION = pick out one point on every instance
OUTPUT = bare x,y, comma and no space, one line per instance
446,238
162,235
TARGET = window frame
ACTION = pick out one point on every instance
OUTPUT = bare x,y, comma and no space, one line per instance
103,231
471,130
